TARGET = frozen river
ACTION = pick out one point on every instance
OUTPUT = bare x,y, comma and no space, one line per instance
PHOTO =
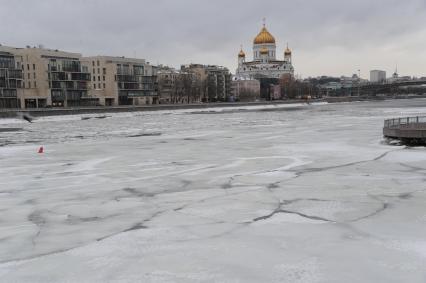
302,193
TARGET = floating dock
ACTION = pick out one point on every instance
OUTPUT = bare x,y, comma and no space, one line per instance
410,130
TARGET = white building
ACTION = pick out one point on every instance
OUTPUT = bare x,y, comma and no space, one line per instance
377,76
265,63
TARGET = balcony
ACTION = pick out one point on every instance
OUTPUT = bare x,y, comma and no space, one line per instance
126,78
10,93
15,74
80,76
58,76
71,66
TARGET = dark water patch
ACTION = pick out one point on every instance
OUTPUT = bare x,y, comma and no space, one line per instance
78,137
273,186
68,164
6,143
32,141
137,193
226,186
405,195
280,109
144,135
5,130
30,201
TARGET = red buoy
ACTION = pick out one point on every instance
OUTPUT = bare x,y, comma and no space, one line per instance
41,149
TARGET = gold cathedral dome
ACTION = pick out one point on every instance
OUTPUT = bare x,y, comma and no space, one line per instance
264,37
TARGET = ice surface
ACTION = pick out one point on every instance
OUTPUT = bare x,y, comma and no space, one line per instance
301,193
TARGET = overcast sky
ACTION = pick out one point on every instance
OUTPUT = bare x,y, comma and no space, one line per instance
328,37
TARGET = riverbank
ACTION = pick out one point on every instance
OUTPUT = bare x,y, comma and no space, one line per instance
9,113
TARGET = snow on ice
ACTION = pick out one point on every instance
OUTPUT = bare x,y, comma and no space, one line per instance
300,193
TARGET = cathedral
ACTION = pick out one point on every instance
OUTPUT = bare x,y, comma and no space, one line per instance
265,63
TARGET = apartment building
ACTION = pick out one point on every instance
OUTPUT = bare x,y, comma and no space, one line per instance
122,81
52,78
177,86
215,81
10,80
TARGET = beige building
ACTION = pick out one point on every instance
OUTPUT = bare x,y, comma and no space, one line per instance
245,90
52,78
121,81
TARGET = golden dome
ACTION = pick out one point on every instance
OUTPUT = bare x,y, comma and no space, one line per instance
241,54
287,51
264,50
264,37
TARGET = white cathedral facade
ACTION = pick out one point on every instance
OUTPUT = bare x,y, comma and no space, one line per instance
265,63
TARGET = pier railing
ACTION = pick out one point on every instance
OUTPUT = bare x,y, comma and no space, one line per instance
405,122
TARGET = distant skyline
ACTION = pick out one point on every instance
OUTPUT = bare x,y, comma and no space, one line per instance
328,37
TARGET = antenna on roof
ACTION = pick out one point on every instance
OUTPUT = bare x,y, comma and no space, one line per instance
264,21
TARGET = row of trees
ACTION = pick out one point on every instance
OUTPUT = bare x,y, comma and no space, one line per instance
190,87
177,88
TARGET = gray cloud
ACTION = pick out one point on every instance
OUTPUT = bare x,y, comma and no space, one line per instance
327,37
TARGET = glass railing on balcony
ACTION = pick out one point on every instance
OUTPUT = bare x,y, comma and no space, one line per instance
56,84
13,83
7,62
9,93
71,66
80,76
15,74
126,78
59,76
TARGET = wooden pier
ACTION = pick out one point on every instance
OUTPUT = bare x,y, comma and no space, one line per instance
410,130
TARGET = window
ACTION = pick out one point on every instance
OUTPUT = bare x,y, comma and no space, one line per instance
99,78
34,75
28,75
35,84
29,84
33,66
28,66
23,84
104,71
99,71
97,63
104,85
99,85
94,86
103,78
93,70
93,63
94,78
